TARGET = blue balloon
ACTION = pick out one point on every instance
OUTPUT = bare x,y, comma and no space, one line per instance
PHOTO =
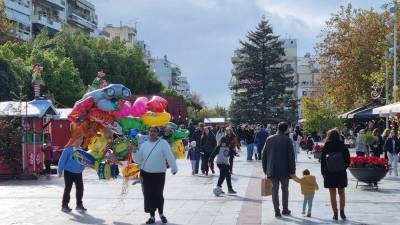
133,133
84,158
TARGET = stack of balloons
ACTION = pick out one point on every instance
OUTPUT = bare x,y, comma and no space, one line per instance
112,125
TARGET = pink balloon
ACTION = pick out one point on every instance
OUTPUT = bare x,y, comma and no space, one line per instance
157,104
124,111
139,107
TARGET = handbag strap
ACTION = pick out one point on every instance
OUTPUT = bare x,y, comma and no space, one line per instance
151,152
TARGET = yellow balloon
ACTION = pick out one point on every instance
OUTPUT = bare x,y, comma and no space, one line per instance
181,149
130,171
156,119
107,171
99,143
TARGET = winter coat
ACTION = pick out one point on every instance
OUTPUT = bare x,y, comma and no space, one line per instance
194,154
335,179
278,159
249,136
260,138
389,145
233,143
307,183
377,147
208,143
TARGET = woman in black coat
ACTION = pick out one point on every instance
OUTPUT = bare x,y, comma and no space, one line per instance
377,146
207,145
335,180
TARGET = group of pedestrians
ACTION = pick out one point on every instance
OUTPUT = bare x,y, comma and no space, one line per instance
279,165
386,143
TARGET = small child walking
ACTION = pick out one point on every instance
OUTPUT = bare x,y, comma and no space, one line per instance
222,153
194,157
308,187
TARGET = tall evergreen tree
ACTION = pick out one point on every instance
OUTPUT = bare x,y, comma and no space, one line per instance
259,79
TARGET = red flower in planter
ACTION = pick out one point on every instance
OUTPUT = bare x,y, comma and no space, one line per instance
368,162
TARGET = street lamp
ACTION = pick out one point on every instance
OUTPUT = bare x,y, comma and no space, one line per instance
393,11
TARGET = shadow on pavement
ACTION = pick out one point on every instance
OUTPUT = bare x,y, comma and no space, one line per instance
315,221
86,218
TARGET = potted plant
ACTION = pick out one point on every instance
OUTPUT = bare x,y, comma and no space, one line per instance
317,150
368,169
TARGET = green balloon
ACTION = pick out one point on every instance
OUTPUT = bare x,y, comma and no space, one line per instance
171,125
180,134
129,123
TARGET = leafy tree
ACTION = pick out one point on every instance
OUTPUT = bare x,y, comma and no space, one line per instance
5,25
322,120
351,55
260,81
7,76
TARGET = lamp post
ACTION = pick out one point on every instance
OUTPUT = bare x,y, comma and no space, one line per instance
393,10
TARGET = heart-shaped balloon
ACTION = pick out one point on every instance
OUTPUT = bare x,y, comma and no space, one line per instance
157,104
139,107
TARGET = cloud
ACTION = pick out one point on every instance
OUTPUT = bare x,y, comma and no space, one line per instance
201,35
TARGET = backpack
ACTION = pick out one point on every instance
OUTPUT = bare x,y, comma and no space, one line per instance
335,162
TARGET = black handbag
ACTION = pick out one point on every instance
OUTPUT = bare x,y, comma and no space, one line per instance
335,162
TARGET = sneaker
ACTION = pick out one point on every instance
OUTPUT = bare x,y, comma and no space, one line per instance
81,208
66,209
286,212
163,219
150,221
232,191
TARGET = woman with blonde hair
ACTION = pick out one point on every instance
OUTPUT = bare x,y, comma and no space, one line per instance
385,136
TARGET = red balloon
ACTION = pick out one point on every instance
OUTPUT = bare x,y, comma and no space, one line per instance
157,104
80,110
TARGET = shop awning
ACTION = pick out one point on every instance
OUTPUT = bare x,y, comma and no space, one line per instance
365,114
345,115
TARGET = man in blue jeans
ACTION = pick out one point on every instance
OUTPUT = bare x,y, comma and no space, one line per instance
249,137
279,165
72,170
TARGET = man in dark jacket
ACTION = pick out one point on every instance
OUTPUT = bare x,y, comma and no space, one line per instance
249,137
279,165
197,137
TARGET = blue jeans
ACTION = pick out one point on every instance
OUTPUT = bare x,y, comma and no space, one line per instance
250,149
308,199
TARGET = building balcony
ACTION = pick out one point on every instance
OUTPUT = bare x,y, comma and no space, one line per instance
82,22
47,22
56,3
23,35
19,6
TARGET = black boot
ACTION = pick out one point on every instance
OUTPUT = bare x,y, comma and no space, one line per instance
335,216
342,215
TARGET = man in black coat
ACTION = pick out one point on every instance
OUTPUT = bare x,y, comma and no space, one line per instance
197,137
279,165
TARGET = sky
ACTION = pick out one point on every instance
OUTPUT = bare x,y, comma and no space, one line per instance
201,35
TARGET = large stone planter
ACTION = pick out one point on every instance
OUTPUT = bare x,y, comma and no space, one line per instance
368,175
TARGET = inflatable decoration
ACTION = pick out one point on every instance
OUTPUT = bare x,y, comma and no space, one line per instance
104,118
156,118
106,98
84,158
121,146
139,107
124,111
142,138
99,143
171,125
157,104
178,150
180,134
130,171
86,129
129,123
133,133
110,157
104,171
80,110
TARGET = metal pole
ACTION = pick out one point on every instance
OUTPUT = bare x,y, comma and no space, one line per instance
395,53
387,83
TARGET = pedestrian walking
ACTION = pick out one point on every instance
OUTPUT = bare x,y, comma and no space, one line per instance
308,185
392,147
377,146
279,165
259,140
151,159
220,134
361,146
48,155
208,144
249,138
72,171
385,136
222,153
335,160
194,156
233,144
197,137
295,137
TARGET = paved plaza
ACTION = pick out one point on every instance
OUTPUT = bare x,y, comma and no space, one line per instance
189,200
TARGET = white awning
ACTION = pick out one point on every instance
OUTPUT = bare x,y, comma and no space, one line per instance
387,110
214,120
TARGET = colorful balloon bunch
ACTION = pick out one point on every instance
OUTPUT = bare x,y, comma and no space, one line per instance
112,126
